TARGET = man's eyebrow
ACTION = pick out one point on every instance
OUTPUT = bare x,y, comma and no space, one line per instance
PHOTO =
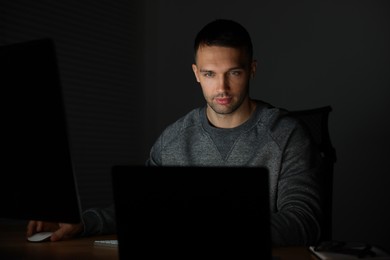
238,68
203,70
230,69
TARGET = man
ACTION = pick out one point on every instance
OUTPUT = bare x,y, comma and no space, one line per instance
233,130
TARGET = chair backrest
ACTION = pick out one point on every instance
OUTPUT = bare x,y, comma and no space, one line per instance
316,121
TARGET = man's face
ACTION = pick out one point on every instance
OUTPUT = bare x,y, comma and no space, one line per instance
224,74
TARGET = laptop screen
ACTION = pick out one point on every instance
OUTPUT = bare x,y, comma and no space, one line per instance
192,212
37,177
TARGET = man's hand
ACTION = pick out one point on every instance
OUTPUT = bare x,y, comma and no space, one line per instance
61,231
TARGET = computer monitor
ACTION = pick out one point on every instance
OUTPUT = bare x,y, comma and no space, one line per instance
192,212
38,179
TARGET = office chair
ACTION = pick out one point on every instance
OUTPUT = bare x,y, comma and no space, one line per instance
316,121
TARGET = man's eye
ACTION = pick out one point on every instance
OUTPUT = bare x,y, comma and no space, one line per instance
208,74
235,73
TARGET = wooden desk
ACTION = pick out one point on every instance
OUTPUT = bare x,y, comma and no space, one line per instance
13,245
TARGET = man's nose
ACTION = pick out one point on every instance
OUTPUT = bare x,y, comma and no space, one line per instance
222,83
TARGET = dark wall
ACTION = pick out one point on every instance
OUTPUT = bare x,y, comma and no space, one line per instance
310,53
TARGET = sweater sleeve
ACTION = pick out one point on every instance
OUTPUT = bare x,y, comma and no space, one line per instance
99,221
298,202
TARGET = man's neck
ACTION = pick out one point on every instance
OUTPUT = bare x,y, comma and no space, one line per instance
234,119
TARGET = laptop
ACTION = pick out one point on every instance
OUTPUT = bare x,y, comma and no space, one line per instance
192,212
38,180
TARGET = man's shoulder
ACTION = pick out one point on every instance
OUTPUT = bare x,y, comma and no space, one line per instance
270,114
192,118
277,120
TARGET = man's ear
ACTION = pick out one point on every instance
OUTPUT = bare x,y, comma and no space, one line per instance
196,72
253,68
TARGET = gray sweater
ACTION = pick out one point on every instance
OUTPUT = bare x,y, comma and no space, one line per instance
271,139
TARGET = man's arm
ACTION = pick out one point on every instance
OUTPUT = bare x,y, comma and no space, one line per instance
99,221
298,202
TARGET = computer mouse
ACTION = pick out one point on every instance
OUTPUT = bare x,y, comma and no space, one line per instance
40,237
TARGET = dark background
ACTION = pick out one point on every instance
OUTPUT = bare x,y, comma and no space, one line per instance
126,72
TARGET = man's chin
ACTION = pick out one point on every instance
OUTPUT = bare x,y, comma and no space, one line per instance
222,109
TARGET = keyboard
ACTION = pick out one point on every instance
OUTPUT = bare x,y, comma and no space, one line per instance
106,242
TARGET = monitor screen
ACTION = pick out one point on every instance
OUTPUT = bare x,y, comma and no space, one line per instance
38,180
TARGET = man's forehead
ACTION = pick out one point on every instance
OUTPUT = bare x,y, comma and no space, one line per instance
212,59
213,48
222,54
